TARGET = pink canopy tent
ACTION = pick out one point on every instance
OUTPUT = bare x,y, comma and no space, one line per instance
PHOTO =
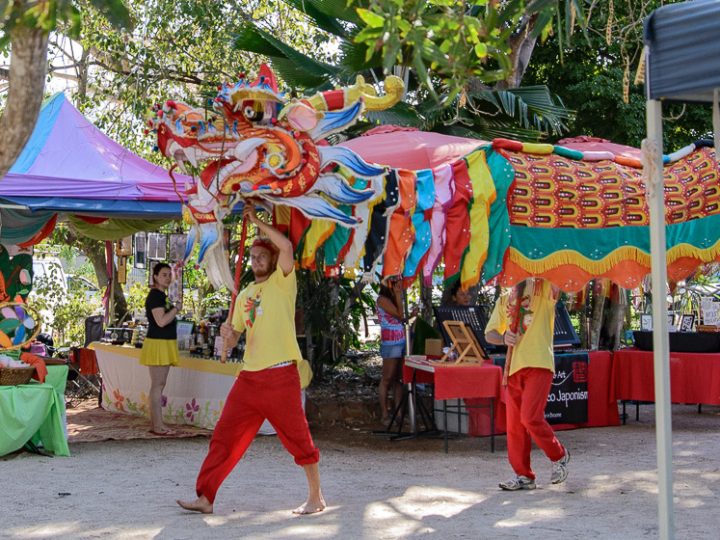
584,143
408,148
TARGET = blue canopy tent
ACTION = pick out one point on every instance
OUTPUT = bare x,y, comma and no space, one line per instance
682,65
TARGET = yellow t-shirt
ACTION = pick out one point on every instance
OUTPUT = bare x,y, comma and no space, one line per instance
536,328
266,311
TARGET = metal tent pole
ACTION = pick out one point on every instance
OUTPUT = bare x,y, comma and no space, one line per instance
652,147
408,345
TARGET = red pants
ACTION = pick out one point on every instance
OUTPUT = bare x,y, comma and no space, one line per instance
527,393
272,394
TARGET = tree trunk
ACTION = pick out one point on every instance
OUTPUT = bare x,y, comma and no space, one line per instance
426,301
522,44
96,254
94,250
28,64
596,321
82,71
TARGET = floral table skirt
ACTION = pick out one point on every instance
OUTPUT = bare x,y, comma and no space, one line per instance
194,394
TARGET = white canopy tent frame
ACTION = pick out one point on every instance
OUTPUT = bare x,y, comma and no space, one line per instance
682,65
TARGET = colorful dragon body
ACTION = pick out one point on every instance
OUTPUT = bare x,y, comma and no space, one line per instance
506,209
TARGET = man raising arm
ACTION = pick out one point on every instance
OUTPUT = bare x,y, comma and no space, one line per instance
268,387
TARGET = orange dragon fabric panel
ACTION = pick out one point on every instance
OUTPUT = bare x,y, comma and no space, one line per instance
552,191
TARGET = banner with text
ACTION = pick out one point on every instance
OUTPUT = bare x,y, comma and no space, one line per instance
568,398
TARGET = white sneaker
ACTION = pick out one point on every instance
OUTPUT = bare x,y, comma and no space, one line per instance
517,483
560,469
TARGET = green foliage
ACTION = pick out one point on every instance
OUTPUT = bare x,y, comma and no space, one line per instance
63,312
443,37
594,77
476,111
178,49
47,15
136,295
451,44
332,310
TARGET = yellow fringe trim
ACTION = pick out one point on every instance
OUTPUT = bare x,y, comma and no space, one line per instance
625,253
708,254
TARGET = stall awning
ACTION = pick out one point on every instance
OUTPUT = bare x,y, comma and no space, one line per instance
103,207
684,52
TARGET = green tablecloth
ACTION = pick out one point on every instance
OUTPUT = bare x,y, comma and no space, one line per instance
57,378
33,411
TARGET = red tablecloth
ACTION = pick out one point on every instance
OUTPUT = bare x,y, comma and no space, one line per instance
602,403
478,383
694,377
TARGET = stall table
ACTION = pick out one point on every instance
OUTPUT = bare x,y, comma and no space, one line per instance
35,413
194,394
481,382
694,377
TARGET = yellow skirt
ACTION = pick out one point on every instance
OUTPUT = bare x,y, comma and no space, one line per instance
159,352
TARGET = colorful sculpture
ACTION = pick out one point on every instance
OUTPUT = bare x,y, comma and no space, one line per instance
18,323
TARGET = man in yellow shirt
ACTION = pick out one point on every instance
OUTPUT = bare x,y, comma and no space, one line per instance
268,387
530,376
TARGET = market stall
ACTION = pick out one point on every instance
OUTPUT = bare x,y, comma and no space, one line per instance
68,170
480,387
194,395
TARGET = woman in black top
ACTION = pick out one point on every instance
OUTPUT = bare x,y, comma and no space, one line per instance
160,349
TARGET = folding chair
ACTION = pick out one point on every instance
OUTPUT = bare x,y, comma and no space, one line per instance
83,362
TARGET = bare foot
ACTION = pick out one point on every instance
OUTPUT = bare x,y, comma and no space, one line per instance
165,432
312,506
201,504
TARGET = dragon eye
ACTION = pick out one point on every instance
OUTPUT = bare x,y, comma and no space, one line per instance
252,114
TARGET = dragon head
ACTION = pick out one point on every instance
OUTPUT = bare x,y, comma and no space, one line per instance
255,142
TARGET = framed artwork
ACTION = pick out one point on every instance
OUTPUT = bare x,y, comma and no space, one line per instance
122,270
710,310
686,323
646,322
151,268
157,246
175,291
124,247
177,246
671,320
140,251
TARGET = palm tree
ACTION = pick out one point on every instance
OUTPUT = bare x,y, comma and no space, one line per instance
527,113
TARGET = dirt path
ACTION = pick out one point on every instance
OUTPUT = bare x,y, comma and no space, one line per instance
376,489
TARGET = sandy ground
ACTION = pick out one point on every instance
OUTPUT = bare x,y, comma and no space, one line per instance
375,489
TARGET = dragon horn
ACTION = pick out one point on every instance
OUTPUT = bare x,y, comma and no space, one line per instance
331,100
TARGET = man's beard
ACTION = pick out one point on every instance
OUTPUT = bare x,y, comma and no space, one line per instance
263,273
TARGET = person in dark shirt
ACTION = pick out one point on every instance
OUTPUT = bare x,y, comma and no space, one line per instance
160,349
